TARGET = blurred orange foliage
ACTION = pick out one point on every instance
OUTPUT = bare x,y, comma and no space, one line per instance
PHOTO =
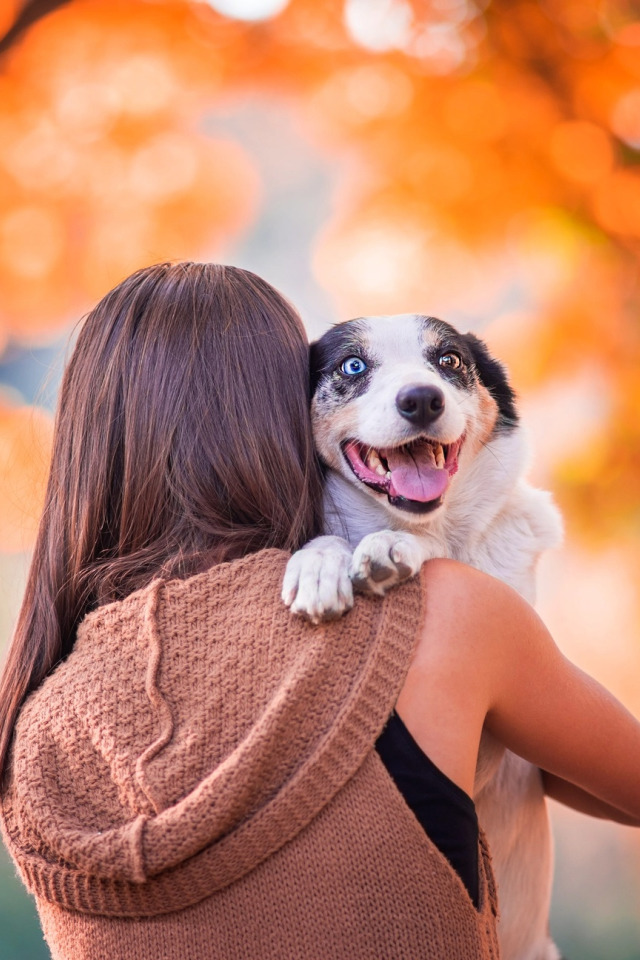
104,167
25,446
491,158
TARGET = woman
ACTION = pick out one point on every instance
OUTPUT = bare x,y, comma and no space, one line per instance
190,772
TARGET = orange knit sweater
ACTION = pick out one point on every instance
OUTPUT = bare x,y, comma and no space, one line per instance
198,780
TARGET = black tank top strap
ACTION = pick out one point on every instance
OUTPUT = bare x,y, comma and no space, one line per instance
446,813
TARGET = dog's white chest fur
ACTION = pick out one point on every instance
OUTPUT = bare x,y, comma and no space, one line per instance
426,458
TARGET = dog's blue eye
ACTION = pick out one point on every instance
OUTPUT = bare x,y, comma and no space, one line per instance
352,366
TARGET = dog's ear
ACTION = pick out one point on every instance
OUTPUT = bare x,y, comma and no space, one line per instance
493,375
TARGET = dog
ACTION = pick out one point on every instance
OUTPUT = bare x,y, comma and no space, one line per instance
417,427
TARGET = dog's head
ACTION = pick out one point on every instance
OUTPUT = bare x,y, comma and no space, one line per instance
400,403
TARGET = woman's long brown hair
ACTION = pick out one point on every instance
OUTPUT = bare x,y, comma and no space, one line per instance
182,439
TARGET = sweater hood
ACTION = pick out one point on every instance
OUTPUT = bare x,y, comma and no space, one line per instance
195,729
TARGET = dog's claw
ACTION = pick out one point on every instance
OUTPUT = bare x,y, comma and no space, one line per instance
359,583
382,560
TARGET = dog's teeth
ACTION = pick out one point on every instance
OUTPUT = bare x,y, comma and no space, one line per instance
388,475
439,456
374,462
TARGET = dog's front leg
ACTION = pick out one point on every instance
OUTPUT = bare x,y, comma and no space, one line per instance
385,558
316,583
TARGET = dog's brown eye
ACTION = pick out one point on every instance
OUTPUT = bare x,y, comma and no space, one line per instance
450,360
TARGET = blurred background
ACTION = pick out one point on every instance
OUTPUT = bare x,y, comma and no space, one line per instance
475,160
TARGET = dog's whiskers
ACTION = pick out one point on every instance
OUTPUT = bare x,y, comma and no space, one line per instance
486,445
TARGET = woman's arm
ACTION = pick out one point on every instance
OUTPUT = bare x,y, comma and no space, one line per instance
572,796
486,658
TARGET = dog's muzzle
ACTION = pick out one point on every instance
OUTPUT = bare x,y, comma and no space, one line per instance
420,405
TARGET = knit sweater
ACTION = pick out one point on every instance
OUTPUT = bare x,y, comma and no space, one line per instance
199,780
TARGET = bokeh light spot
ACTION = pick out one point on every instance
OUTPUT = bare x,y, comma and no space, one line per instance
31,241
379,24
249,9
377,262
374,91
164,167
625,120
40,159
86,110
440,47
617,203
143,84
371,265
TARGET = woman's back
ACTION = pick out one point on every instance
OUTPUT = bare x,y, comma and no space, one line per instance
204,763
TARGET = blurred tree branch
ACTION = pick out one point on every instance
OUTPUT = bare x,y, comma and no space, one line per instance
31,12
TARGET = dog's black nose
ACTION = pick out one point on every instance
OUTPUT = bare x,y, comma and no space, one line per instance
420,405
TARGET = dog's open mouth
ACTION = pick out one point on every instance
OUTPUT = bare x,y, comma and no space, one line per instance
414,476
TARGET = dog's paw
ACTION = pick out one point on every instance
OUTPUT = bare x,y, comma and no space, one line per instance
382,560
316,583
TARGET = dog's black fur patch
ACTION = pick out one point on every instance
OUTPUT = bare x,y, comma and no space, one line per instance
493,376
330,351
448,341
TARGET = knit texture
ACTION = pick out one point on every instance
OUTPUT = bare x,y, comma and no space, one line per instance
198,780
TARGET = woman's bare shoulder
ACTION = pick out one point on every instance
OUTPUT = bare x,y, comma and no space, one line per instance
474,609
468,584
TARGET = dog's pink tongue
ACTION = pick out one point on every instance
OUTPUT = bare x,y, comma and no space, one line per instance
414,475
